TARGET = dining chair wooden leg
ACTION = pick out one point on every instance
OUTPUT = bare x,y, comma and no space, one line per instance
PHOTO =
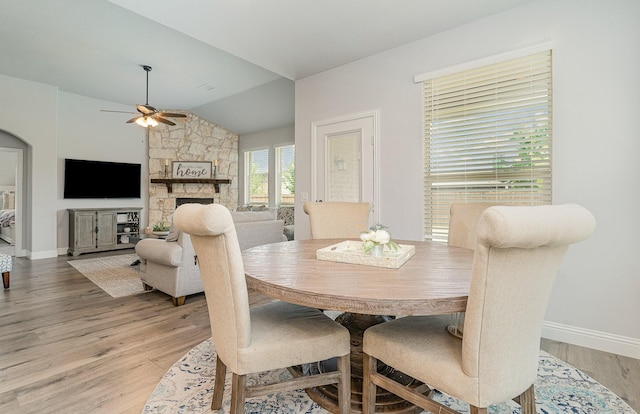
218,384
477,410
238,393
527,401
369,366
5,279
344,387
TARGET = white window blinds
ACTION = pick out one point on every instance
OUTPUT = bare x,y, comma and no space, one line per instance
487,138
256,178
285,175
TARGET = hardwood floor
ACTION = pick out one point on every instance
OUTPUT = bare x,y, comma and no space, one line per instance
68,347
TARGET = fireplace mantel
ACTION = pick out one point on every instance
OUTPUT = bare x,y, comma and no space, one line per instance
170,181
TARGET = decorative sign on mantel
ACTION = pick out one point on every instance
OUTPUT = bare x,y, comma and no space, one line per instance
191,169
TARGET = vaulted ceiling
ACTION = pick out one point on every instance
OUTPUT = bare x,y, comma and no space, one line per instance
233,62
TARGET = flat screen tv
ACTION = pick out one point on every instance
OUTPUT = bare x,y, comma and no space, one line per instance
101,179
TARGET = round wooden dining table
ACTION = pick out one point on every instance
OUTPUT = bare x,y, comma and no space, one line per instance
434,281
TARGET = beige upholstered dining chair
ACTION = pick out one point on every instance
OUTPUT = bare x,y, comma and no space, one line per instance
332,220
463,224
517,256
261,338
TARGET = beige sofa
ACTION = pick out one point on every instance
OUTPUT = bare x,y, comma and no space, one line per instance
170,265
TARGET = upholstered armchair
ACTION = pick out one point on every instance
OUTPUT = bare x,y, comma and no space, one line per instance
518,253
170,265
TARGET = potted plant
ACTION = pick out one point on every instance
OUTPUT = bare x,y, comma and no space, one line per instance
160,229
376,238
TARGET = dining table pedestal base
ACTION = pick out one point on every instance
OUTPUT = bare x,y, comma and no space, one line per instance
386,402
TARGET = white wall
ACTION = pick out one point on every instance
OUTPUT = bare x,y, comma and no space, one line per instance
8,164
596,102
59,125
86,132
28,110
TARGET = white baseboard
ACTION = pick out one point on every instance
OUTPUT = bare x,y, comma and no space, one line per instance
615,344
47,254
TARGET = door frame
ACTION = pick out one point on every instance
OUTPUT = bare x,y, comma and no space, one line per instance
374,116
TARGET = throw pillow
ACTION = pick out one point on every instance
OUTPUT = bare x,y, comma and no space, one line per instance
173,234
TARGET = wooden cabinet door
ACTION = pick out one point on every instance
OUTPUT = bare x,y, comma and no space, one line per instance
85,231
107,226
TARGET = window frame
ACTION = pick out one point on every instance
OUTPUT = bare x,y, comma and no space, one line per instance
441,112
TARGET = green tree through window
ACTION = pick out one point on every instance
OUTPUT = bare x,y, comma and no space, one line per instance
286,176
257,163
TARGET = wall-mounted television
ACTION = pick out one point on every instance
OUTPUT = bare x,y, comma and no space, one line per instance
101,179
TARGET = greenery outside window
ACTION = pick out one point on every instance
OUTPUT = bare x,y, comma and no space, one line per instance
256,165
487,138
285,175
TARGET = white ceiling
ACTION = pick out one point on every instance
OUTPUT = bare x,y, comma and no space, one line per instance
230,61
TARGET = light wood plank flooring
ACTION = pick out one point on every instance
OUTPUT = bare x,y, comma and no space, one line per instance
68,347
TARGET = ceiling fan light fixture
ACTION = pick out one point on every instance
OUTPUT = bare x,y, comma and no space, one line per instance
150,116
142,122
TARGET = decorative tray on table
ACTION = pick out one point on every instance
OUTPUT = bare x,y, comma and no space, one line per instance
350,251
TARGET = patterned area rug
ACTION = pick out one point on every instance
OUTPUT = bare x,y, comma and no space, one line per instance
113,274
187,388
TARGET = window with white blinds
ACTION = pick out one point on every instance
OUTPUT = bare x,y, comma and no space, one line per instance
487,138
256,178
285,175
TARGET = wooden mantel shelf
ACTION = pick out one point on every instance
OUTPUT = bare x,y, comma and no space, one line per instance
170,181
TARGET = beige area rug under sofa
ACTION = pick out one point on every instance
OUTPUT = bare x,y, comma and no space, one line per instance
113,274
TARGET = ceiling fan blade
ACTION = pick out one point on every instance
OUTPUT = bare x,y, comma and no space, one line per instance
146,109
119,112
164,121
150,115
172,115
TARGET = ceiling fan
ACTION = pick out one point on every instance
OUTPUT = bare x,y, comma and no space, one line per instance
149,115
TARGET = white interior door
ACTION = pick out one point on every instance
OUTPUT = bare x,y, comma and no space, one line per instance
344,160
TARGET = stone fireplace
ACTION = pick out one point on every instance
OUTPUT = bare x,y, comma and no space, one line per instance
184,200
191,139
